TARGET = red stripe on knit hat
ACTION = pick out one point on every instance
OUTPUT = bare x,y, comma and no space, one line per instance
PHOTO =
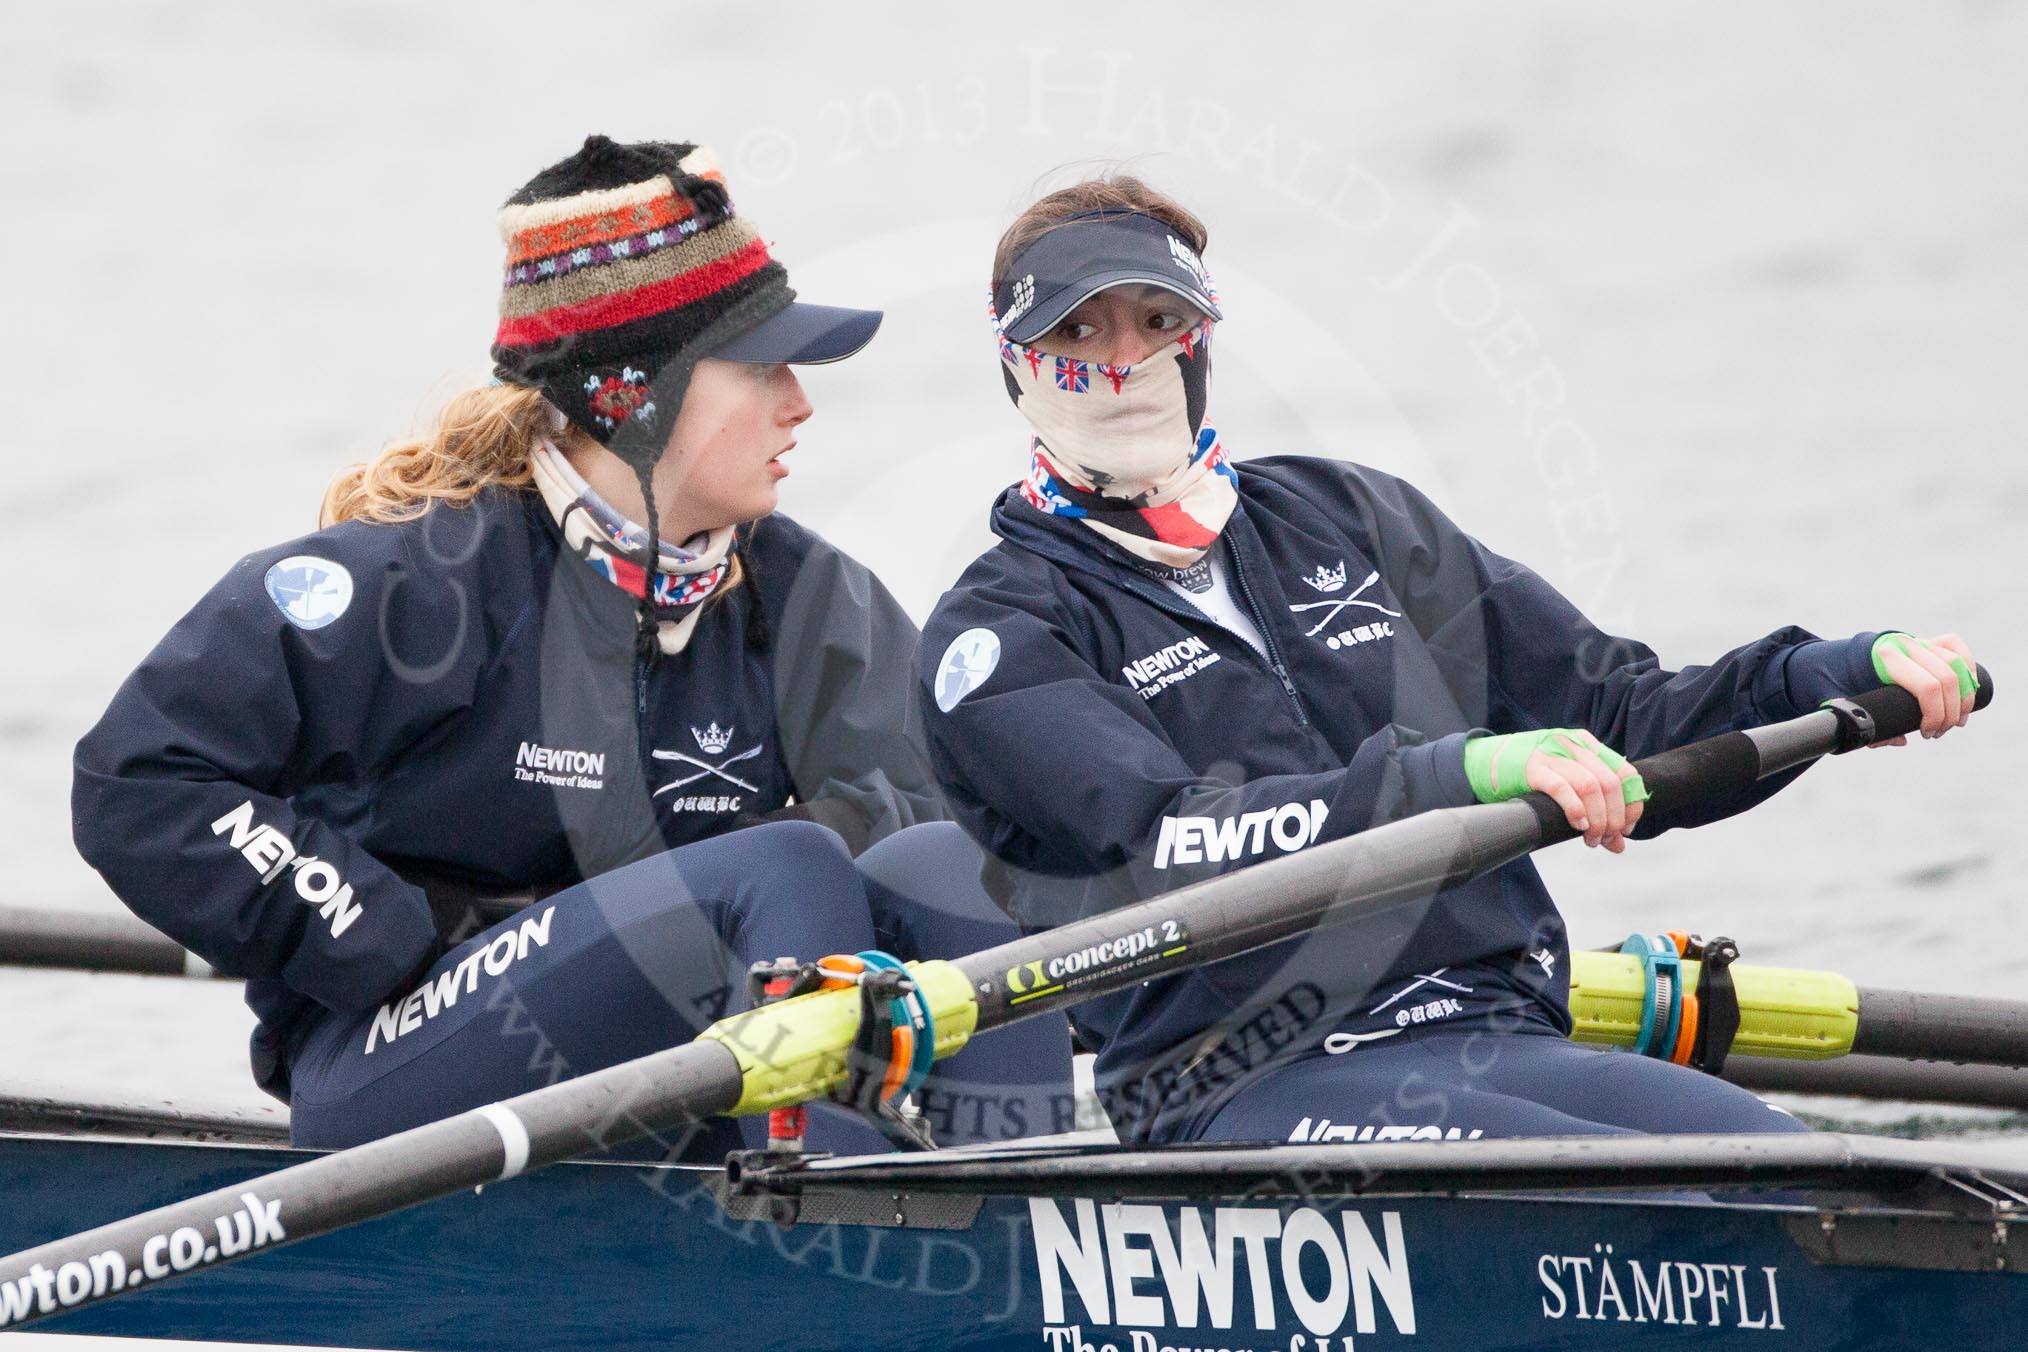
605,312
1174,526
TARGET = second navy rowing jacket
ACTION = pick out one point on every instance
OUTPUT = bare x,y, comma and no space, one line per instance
1106,742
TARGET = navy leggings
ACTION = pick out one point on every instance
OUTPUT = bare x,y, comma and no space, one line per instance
645,957
1463,1083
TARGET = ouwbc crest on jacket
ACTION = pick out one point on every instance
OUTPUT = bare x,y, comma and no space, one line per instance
310,591
965,666
1327,579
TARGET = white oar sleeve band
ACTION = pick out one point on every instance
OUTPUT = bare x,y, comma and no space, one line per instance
513,1137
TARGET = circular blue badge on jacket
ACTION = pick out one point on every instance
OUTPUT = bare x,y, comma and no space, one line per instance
967,663
309,591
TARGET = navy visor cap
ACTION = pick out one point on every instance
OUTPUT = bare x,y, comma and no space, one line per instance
1087,254
803,334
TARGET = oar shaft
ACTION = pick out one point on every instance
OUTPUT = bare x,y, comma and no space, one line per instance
1925,1027
1885,1077
659,1092
1361,877
98,942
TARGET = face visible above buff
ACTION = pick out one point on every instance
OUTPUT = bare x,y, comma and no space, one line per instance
1124,431
1121,448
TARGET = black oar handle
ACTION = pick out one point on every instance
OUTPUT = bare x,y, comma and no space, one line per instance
1687,779
1896,712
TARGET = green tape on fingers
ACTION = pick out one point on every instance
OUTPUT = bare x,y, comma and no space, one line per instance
1497,765
1631,787
1968,680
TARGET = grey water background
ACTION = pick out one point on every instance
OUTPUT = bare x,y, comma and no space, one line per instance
1713,313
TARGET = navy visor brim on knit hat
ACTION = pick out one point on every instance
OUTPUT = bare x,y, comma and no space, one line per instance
1092,252
803,334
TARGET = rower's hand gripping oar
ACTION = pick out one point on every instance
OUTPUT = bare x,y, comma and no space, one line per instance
795,1050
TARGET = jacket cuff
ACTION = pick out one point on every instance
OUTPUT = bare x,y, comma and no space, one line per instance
1828,669
1434,774
370,965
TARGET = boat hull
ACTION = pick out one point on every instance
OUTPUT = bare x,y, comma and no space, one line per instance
611,1256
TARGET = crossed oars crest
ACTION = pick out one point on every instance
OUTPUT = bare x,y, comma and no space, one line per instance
706,768
1338,603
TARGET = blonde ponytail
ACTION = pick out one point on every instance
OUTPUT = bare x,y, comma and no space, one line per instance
481,441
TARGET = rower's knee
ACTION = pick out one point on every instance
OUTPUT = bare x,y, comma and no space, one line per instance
928,901
793,840
783,888
931,851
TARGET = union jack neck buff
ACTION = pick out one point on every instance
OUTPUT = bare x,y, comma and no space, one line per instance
1125,449
686,575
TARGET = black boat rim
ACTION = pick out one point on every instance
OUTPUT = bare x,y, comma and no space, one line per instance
1988,1176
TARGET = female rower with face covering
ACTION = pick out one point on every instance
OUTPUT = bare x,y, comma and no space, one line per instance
512,769
1173,665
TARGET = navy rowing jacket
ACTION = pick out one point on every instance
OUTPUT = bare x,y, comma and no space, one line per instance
373,718
1106,742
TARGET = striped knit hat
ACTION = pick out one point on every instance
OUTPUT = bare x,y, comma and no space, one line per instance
625,265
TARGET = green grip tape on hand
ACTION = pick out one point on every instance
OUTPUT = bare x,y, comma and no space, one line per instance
1968,680
1497,765
1632,789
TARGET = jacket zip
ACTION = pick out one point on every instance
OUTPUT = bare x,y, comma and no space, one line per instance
641,737
1267,637
1166,600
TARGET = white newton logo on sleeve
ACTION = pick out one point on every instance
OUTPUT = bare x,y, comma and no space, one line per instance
965,666
309,591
